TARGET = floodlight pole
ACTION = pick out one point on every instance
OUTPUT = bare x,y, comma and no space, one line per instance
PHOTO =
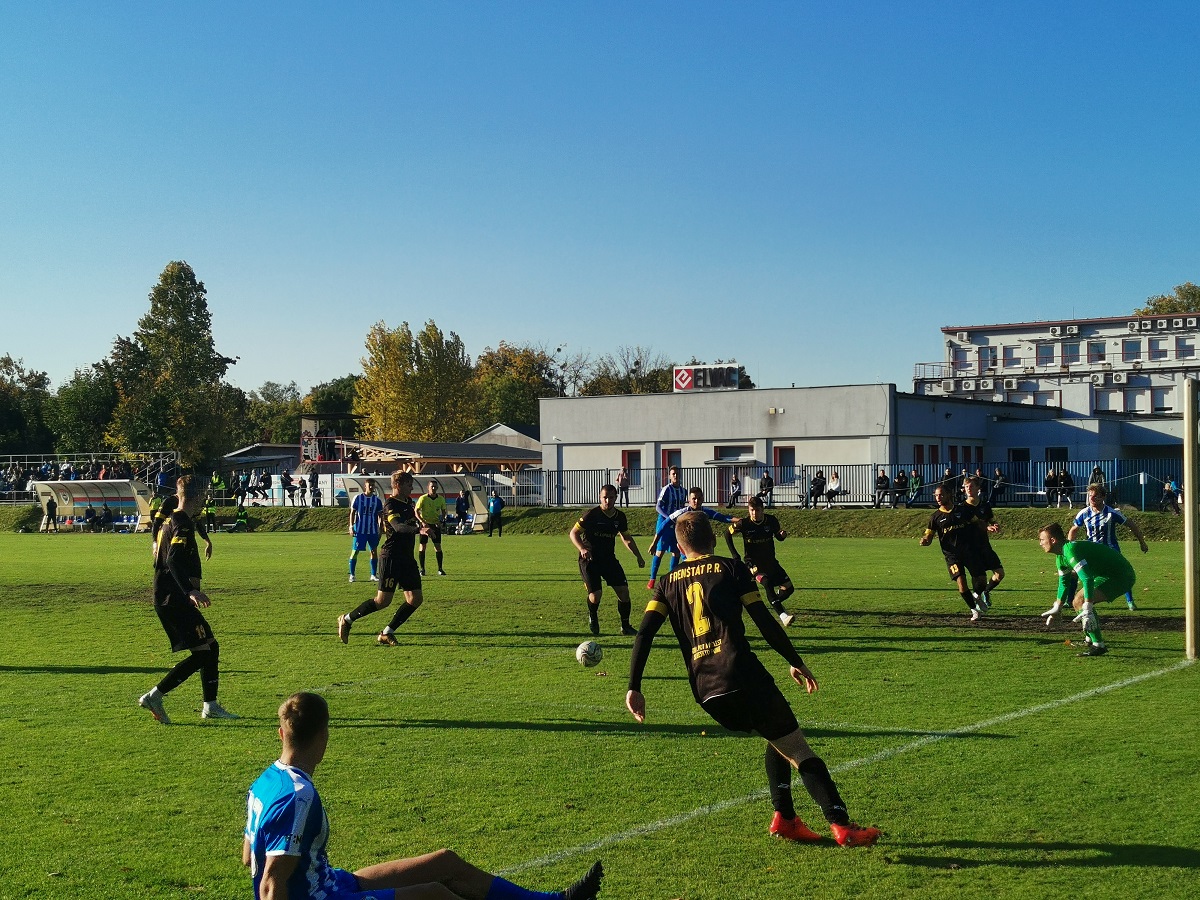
1191,483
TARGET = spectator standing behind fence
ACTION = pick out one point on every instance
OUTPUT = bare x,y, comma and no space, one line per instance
999,483
816,490
766,489
623,487
302,488
832,489
1097,478
1066,487
883,486
735,490
289,488
899,488
50,521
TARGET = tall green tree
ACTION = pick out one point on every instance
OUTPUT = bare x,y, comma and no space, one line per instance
82,409
273,413
510,380
1184,298
169,376
332,398
415,387
24,395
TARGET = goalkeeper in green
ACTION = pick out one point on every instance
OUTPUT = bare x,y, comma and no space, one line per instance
1087,574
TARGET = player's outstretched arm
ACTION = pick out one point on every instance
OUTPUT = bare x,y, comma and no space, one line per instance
633,548
804,678
636,704
1137,533
776,637
733,554
634,701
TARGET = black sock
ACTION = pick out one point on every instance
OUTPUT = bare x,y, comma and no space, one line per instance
968,598
363,609
438,554
784,592
594,613
182,671
820,786
210,676
624,608
421,559
779,781
401,616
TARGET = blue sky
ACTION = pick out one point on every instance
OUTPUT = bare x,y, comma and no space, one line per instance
811,189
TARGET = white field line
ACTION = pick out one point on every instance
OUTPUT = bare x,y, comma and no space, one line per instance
710,809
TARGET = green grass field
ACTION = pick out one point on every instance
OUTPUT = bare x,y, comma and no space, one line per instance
997,762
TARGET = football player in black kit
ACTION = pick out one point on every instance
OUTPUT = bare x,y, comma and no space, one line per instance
956,529
759,533
595,537
178,600
704,598
397,568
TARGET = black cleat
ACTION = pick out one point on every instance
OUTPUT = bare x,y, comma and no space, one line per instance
627,629
587,887
1094,650
594,627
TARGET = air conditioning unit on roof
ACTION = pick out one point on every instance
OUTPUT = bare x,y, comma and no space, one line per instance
1098,378
1055,331
985,384
1072,329
968,384
1120,377
1134,325
964,336
948,385
1010,384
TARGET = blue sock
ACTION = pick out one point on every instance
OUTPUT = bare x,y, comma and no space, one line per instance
506,890
353,563
654,561
373,572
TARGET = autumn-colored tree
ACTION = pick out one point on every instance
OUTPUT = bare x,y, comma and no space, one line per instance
1184,299
510,380
631,370
415,387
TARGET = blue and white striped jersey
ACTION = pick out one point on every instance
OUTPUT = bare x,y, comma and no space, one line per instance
1101,527
367,508
284,817
671,498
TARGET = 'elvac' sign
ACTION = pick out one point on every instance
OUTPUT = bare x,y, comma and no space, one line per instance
707,378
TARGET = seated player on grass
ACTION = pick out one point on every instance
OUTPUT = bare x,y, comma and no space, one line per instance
287,829
703,599
1090,574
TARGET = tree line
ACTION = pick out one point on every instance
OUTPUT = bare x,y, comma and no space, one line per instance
165,387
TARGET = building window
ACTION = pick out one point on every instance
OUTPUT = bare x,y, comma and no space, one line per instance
1185,347
785,464
1056,454
735,451
919,454
987,358
1108,401
961,359
934,459
1131,350
1045,354
1022,397
1158,349
1011,359
1135,401
1160,400
952,450
978,456
1096,351
1070,353
1045,398
632,461
672,458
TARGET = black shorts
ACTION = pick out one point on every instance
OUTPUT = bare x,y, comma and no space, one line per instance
435,535
398,572
763,709
958,564
989,558
185,626
596,569
771,573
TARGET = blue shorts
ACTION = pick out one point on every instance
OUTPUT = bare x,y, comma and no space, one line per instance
667,542
346,888
361,542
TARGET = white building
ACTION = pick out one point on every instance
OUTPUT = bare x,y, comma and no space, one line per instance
1084,367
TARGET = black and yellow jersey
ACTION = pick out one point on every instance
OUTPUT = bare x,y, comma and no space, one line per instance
599,532
758,539
703,599
399,511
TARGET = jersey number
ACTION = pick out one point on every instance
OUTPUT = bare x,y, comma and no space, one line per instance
695,598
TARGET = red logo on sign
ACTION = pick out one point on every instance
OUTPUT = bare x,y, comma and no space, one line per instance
683,379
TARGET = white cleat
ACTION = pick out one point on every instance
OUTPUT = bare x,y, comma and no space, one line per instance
153,703
352,579
975,614
374,577
215,710
786,618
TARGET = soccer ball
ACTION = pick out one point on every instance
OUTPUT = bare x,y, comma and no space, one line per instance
589,654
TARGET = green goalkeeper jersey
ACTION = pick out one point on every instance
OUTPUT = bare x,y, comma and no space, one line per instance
1091,565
